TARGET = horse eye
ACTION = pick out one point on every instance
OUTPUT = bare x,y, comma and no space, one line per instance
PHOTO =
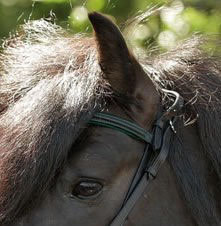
87,189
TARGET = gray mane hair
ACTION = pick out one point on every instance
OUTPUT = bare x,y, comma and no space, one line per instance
194,71
50,85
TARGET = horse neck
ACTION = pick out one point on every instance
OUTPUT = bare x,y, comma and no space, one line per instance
195,176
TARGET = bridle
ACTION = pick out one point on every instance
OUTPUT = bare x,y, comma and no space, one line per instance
155,152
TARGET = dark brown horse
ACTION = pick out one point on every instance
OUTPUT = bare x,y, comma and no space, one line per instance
56,170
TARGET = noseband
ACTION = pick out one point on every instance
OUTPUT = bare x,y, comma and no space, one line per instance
155,152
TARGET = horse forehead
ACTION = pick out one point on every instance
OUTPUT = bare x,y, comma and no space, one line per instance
103,144
104,149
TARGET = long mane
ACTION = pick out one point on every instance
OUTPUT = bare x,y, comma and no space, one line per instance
193,69
51,84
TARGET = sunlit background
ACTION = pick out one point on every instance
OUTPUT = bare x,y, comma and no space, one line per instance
176,20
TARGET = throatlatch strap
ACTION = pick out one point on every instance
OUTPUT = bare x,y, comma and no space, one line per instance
150,173
122,125
120,219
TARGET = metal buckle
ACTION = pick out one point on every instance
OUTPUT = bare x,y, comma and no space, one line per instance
177,105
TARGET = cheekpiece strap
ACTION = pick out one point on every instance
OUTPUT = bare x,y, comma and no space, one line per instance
125,126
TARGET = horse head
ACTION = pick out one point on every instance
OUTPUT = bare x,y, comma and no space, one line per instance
86,129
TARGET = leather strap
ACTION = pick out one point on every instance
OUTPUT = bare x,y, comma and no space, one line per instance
121,217
149,174
128,127
139,172
164,151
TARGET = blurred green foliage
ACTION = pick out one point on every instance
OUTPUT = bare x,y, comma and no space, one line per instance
176,20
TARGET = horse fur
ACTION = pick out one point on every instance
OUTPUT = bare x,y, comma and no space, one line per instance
51,84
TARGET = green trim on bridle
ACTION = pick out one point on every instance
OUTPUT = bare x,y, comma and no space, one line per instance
125,126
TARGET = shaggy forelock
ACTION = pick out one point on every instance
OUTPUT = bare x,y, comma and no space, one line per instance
49,87
45,51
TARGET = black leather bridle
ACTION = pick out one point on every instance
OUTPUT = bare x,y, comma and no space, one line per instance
155,152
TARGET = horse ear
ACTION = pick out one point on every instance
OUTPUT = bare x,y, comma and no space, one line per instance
114,57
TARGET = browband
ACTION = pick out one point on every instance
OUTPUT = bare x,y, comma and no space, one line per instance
125,126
